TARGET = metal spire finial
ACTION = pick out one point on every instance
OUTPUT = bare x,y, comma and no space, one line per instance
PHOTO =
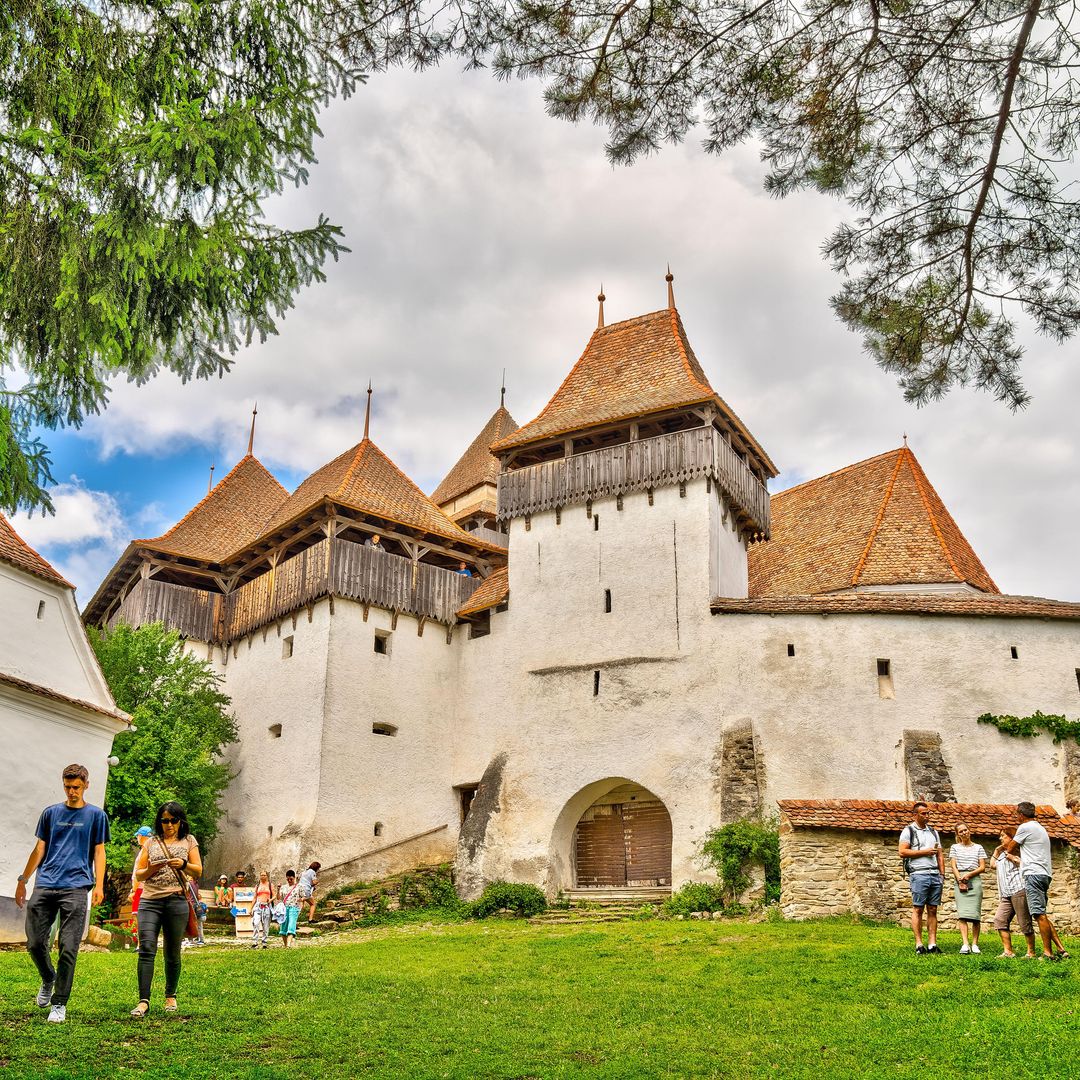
669,278
210,485
251,437
601,297
367,414
905,440
502,391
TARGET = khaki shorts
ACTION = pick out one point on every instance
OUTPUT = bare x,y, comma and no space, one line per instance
1013,905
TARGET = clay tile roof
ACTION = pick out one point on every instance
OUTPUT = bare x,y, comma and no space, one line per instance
877,815
229,518
879,522
477,465
55,695
494,590
364,478
629,369
993,605
15,551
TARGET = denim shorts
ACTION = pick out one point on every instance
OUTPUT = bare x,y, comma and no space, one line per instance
1037,887
925,889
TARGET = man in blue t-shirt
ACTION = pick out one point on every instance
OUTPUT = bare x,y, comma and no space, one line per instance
69,858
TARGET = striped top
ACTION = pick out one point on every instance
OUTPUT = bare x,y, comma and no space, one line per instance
967,856
1008,877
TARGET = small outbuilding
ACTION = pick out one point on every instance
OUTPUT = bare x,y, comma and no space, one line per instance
840,857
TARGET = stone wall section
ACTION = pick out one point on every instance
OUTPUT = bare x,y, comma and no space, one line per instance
1072,771
928,776
740,786
827,872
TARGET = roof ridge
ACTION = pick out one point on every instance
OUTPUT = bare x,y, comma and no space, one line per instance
910,457
358,457
874,529
680,340
57,576
835,472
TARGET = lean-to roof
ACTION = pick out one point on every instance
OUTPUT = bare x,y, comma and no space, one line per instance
15,551
65,699
365,479
879,815
629,369
228,519
477,465
494,590
983,605
878,522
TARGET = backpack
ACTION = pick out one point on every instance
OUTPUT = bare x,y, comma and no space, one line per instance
910,829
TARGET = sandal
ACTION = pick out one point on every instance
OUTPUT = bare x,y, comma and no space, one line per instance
1062,954
174,1007
139,1013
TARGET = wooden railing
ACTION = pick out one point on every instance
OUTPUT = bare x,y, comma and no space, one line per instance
635,466
492,536
330,567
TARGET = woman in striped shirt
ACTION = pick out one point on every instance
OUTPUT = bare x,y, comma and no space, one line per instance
968,861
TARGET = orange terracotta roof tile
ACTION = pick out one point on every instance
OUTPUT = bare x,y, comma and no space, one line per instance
55,695
228,518
494,590
364,478
878,815
477,465
995,605
878,522
629,369
15,551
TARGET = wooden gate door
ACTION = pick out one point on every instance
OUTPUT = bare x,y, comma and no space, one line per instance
601,849
647,832
624,844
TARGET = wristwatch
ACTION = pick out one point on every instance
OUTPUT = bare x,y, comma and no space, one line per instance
23,880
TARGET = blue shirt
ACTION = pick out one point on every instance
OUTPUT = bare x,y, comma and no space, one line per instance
70,837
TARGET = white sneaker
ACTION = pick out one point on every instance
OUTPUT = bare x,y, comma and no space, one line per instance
57,1014
976,949
964,950
44,996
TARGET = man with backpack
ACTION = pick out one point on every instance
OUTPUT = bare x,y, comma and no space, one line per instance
924,863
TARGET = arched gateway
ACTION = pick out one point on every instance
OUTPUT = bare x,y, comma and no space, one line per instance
623,840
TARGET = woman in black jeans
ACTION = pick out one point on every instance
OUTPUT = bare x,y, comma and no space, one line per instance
167,859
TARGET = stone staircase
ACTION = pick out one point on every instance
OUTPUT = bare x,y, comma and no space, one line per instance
384,895
601,905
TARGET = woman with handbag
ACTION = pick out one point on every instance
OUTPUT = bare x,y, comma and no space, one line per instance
289,898
262,911
164,866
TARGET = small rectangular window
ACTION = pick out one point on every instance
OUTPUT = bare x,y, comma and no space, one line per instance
466,794
275,731
682,489
1078,678
885,679
558,515
607,601
481,627
383,729
790,649
1014,652
596,522
595,683
882,668
286,647
382,642
618,502
41,609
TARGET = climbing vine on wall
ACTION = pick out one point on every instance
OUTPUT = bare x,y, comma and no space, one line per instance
1027,727
733,848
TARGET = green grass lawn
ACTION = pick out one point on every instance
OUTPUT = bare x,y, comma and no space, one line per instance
502,999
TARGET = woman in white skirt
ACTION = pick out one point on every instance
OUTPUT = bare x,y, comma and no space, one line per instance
968,861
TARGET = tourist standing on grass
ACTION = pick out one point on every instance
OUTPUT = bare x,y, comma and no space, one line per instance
1033,843
309,880
920,848
69,858
289,895
967,860
222,892
1013,899
170,857
261,911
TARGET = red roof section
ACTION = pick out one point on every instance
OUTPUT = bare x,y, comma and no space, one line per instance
878,522
875,815
55,695
228,518
629,369
994,605
494,590
364,478
15,551
478,465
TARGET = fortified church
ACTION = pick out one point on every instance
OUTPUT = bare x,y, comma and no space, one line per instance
648,644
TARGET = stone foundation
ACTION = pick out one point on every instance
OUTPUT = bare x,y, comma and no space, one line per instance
839,872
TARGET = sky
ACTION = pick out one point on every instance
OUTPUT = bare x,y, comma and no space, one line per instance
481,231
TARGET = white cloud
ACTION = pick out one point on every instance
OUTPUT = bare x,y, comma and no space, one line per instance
82,517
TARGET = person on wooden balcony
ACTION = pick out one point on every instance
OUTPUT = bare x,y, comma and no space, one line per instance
464,570
374,541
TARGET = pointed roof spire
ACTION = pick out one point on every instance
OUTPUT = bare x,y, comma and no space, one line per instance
367,414
502,391
905,440
210,484
601,298
669,278
251,437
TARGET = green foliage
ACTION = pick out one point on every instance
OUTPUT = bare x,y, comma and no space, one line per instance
732,849
138,143
183,725
695,896
947,127
523,900
1027,727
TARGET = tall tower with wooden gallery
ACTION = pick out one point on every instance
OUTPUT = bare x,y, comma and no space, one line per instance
634,492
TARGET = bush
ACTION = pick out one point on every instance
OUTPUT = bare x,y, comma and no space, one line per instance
523,900
694,896
732,849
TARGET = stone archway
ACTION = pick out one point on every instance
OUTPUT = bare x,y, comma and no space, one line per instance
622,840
